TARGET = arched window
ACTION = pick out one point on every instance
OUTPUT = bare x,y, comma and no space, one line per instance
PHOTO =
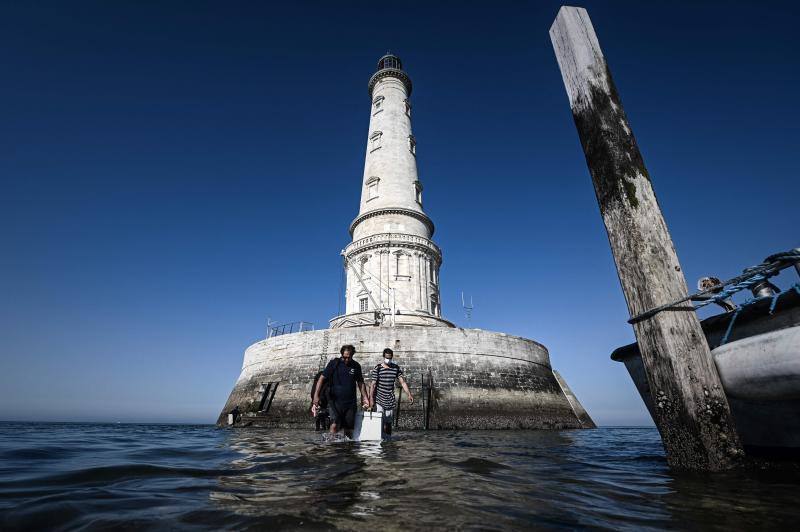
412,144
418,191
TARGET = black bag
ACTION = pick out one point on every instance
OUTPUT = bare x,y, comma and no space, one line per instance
326,392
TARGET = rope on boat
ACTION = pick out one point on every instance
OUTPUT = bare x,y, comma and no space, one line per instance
749,302
774,302
771,266
730,326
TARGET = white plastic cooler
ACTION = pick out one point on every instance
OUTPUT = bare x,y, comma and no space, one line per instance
369,426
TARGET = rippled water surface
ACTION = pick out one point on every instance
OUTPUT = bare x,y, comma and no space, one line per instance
71,476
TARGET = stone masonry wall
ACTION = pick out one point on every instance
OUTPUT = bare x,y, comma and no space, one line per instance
481,379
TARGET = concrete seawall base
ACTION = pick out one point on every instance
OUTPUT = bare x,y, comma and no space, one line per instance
480,379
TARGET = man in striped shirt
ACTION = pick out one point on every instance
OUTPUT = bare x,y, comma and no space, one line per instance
383,377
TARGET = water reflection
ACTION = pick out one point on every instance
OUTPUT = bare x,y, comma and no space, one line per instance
496,480
175,477
301,476
758,499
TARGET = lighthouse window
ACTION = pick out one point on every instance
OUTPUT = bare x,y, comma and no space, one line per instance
408,108
412,144
372,187
418,191
401,265
377,105
363,305
433,306
375,140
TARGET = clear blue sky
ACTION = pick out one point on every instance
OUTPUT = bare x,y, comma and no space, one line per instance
174,172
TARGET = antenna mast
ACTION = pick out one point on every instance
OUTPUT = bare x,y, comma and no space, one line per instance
467,308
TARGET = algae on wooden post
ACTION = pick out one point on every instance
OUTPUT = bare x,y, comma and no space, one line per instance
692,412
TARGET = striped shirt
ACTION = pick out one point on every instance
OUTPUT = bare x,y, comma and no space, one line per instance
384,387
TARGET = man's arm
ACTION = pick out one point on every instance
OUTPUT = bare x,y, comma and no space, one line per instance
405,387
315,401
364,394
372,386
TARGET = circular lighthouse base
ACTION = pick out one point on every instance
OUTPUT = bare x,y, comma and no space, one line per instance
480,379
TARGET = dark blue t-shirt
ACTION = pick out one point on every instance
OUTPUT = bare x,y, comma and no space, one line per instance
342,379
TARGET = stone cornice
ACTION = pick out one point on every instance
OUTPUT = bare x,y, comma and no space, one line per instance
406,317
395,240
421,216
386,73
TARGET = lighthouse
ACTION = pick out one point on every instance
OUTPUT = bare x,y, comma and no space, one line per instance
392,265
466,378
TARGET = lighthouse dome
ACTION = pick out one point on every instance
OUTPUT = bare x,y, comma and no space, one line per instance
390,61
390,66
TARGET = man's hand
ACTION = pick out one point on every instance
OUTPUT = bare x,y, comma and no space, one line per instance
410,399
365,405
314,410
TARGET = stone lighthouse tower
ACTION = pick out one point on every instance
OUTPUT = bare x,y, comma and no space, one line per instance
467,378
392,265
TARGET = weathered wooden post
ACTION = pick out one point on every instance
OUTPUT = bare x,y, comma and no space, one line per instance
692,413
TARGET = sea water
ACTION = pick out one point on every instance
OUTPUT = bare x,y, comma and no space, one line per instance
95,476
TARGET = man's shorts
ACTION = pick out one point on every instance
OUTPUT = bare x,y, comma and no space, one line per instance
388,415
343,415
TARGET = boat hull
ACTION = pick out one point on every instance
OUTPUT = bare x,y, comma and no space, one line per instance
759,369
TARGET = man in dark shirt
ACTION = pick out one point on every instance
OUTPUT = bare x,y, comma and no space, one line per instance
344,375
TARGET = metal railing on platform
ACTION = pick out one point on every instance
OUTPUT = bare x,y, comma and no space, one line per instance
288,328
